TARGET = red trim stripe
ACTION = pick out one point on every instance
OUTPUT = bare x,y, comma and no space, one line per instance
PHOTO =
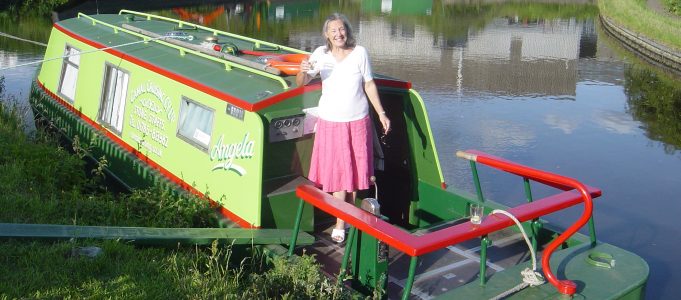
318,85
286,95
393,83
170,176
172,75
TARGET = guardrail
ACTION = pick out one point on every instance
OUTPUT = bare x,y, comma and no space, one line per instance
561,182
417,245
181,24
183,50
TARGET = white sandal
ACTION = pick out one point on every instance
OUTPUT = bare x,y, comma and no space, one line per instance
338,235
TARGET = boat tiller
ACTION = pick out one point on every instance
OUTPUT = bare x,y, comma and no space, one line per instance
369,256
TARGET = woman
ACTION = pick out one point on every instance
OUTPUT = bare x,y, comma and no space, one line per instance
342,155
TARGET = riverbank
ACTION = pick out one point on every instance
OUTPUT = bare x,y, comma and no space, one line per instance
655,35
42,182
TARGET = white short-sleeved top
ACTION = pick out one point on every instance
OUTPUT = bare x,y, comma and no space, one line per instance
343,98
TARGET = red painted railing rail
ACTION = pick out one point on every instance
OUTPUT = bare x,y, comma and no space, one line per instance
567,287
417,245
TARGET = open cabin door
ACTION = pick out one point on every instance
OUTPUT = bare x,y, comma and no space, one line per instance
395,175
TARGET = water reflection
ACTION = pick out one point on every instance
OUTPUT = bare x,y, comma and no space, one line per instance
531,82
655,100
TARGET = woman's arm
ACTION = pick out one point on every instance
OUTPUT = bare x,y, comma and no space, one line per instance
303,78
372,93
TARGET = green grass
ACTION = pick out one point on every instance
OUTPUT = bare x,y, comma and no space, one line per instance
41,181
674,6
635,16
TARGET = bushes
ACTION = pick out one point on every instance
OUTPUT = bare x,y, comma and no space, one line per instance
674,6
35,7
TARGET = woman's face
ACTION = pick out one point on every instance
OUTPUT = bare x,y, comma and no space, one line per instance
335,32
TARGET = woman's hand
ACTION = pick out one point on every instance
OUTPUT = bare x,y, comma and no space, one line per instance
385,122
302,78
306,66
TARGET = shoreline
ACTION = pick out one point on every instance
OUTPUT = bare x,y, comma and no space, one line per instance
651,51
644,46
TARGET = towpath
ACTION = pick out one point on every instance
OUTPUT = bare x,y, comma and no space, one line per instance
659,7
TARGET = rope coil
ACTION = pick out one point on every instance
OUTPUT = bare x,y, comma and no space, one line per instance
530,276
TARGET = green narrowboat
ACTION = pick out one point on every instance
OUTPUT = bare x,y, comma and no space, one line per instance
209,112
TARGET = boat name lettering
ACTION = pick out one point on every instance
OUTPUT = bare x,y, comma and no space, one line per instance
226,153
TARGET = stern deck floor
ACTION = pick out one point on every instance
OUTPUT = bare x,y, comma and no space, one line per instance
437,272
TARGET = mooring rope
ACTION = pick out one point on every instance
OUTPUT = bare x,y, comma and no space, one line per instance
23,40
81,53
530,277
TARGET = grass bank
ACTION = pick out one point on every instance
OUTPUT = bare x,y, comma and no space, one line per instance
43,182
674,6
635,16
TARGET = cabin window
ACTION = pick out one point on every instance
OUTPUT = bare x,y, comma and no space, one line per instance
114,89
69,73
196,123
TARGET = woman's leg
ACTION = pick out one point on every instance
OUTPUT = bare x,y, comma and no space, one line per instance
347,197
342,195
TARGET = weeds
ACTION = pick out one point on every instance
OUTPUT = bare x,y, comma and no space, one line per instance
41,182
674,6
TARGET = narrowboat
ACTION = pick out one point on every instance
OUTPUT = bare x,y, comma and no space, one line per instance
200,110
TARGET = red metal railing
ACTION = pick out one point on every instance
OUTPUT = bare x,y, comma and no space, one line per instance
567,287
415,246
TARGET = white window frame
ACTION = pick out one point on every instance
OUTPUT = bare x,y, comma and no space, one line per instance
192,134
112,101
69,73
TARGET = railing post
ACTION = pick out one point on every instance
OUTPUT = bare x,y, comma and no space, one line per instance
592,231
296,227
528,196
484,243
410,278
476,180
348,250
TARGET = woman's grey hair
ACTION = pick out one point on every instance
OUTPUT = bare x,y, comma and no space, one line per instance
349,37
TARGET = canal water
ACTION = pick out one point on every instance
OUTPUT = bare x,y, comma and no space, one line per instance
539,84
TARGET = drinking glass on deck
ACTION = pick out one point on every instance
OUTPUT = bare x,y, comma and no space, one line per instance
314,68
476,213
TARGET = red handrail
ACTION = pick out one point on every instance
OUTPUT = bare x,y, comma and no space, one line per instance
417,245
567,287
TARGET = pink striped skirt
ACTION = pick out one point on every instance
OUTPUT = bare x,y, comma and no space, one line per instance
342,155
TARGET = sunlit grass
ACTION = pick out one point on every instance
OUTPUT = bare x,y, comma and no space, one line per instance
635,16
42,181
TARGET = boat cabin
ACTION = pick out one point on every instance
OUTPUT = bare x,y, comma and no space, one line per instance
204,109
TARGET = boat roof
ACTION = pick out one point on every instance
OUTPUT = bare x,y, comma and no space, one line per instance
178,50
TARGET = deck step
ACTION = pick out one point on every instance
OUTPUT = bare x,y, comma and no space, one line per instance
625,280
155,236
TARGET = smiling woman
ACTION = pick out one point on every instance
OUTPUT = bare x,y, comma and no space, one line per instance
342,156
